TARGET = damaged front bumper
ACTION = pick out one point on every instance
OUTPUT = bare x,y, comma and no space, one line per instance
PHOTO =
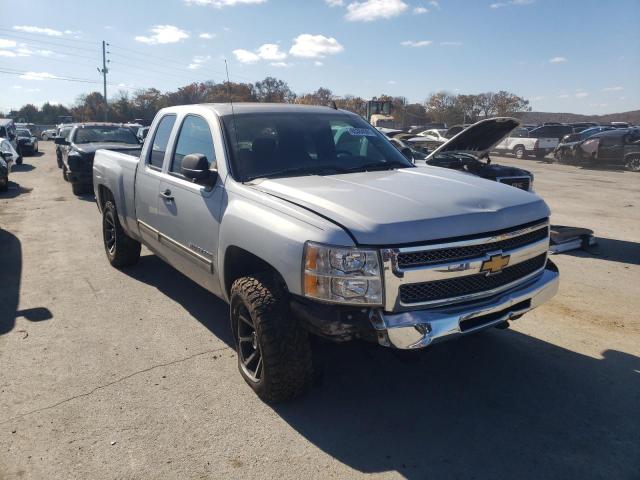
420,328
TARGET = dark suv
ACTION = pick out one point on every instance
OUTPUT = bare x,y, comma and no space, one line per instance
551,131
616,147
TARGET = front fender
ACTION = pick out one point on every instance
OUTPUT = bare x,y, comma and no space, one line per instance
275,231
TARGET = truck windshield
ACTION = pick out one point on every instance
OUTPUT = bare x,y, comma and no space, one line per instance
105,134
267,145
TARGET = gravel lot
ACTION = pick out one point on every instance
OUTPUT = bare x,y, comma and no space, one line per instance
105,374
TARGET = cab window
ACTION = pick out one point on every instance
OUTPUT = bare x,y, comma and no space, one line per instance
161,140
194,137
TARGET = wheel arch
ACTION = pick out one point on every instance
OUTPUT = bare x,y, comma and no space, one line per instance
239,263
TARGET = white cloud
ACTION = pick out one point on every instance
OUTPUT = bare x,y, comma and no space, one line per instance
271,51
416,44
207,36
451,44
4,43
37,76
536,99
334,3
281,64
314,46
517,3
318,63
435,4
370,10
266,51
163,34
612,89
582,94
42,30
198,61
392,82
564,95
7,53
17,87
246,56
558,60
222,3
420,10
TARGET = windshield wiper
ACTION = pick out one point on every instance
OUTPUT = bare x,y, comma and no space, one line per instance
376,166
293,171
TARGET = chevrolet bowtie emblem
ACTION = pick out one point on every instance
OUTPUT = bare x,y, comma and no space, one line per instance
495,264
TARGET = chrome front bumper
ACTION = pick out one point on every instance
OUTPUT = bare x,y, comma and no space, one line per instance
420,328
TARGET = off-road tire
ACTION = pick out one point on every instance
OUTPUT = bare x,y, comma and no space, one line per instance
520,152
632,163
126,250
4,186
287,367
19,160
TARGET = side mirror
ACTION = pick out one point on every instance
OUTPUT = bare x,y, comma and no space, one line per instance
406,151
61,141
195,166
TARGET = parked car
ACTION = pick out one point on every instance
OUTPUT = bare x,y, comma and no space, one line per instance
468,151
565,150
27,143
142,133
8,156
48,134
8,132
556,131
61,132
619,147
307,220
79,147
404,148
437,134
620,124
522,144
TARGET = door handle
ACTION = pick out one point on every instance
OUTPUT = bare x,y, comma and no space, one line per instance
167,195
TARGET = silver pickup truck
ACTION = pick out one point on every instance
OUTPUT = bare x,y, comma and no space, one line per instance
307,220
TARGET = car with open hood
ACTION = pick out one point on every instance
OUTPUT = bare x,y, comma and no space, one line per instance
468,151
309,222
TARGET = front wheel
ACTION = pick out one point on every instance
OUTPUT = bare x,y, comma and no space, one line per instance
274,352
19,160
519,152
122,250
633,163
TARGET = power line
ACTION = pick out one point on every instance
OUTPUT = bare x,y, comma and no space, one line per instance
67,79
49,42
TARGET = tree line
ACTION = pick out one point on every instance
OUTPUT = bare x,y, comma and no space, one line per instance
442,107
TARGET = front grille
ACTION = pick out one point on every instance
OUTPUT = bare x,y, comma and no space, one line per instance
431,257
468,285
522,183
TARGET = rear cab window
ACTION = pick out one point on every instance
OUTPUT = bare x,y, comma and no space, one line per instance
160,141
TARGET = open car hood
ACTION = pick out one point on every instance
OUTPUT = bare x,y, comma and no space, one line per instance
479,138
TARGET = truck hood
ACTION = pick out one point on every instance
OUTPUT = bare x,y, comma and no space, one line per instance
479,138
409,205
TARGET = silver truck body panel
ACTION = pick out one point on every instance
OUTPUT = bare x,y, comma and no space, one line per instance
410,205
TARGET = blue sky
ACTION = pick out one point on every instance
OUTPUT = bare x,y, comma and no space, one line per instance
570,56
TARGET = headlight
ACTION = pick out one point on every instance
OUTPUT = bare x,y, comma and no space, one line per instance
342,274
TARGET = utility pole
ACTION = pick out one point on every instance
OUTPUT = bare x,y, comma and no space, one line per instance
104,72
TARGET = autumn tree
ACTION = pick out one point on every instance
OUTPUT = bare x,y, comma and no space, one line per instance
273,90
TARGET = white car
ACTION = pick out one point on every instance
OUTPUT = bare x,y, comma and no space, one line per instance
436,134
8,156
522,145
48,134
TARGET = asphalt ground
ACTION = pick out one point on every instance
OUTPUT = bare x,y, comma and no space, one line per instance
107,374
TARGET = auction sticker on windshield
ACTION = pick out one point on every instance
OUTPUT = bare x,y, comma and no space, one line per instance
362,132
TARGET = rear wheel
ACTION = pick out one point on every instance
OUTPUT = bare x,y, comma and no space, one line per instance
274,352
44,137
122,250
633,163
519,152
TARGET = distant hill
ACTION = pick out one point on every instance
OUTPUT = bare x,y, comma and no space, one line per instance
632,117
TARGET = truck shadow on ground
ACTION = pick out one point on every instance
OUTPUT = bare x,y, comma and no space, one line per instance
10,272
205,307
24,167
612,250
497,405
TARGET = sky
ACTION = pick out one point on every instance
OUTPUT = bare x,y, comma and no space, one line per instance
580,56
